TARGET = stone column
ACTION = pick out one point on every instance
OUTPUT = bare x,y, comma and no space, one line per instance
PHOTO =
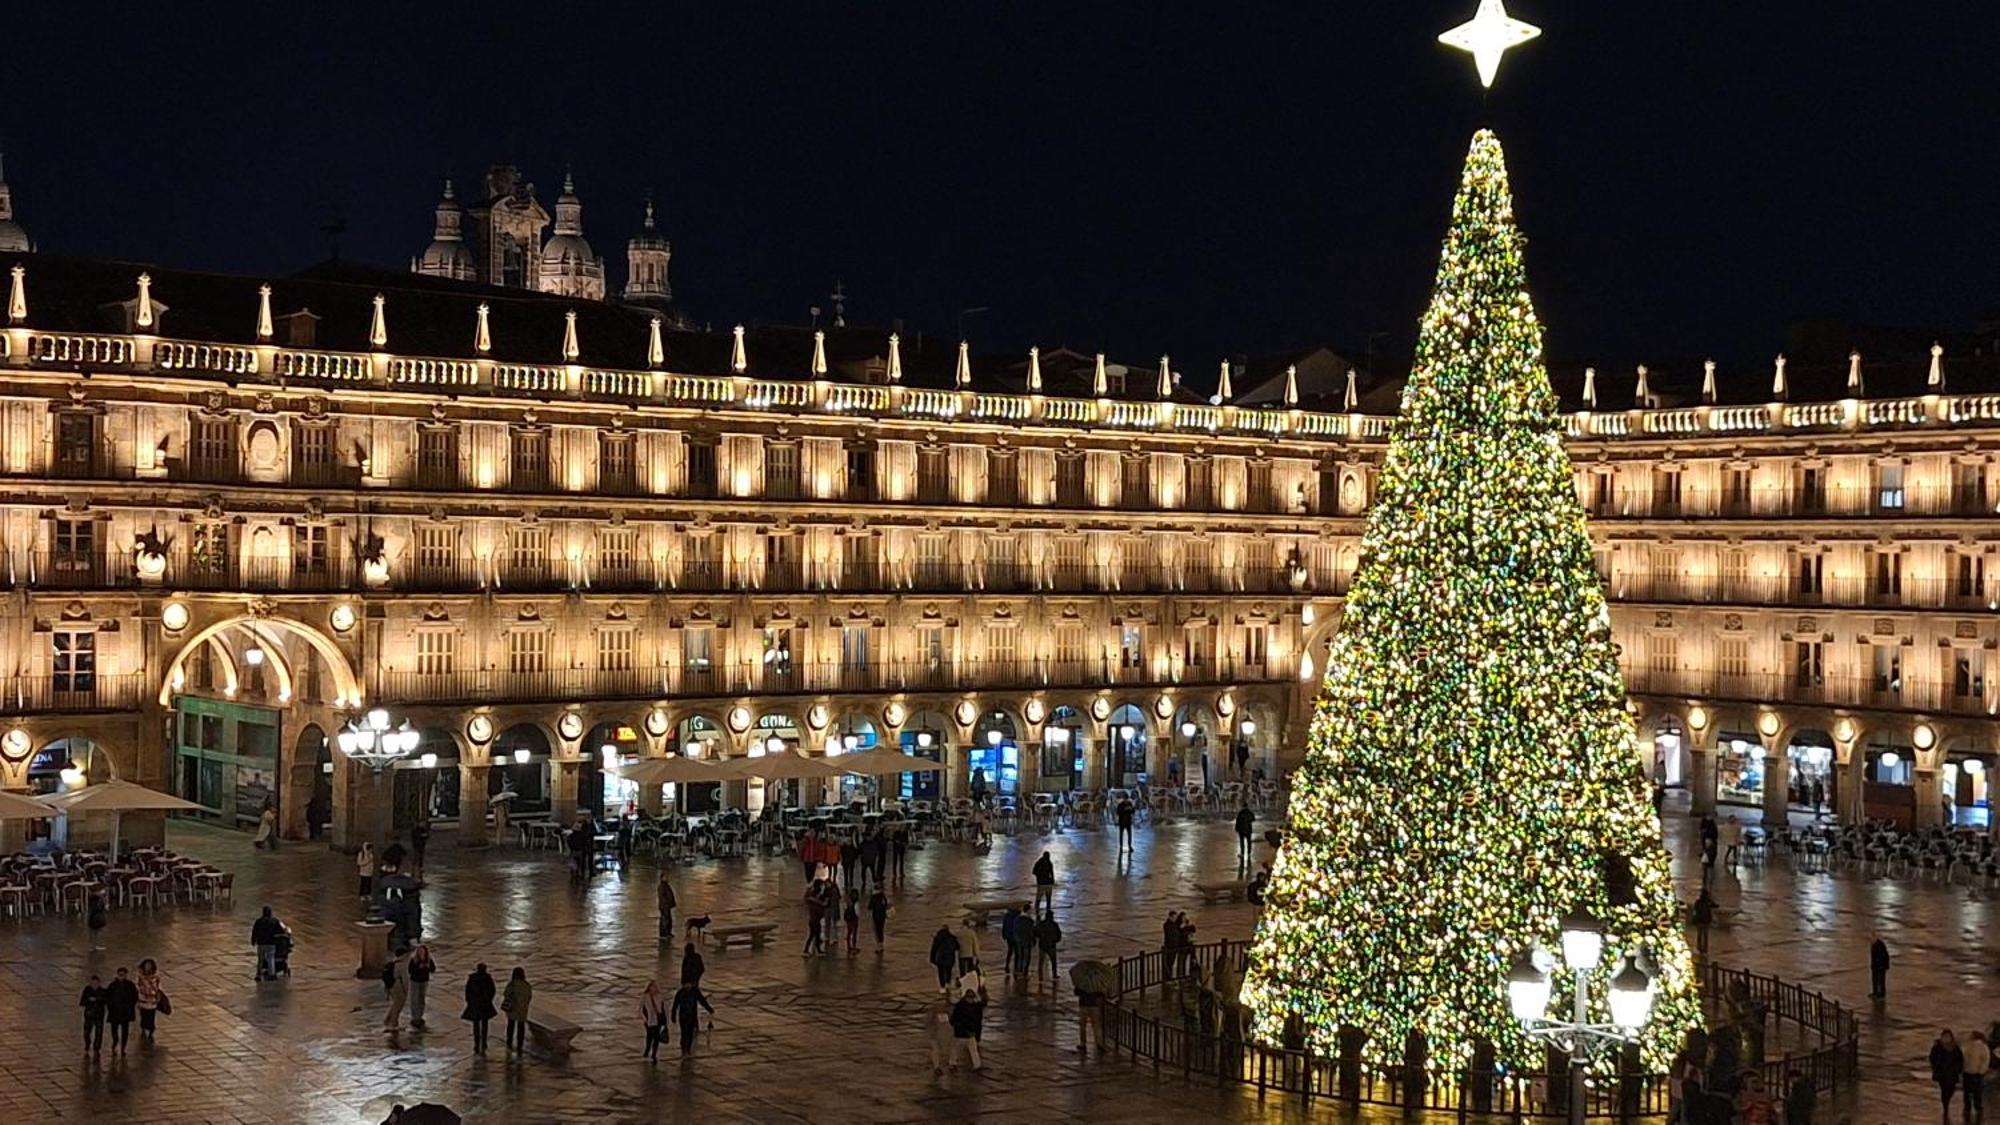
1777,779
1850,787
1094,755
1930,799
1031,767
472,830
565,775
957,770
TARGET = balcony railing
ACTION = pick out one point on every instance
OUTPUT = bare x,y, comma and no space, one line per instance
1896,691
798,677
23,695
1831,501
1841,592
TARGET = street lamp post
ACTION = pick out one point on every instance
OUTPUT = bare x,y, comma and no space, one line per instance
372,741
1630,1001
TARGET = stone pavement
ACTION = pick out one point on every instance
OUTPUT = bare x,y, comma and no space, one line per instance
795,1039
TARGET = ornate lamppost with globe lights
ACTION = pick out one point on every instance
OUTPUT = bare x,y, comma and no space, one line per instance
371,740
1630,1001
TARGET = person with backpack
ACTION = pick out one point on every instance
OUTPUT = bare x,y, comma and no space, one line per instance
1010,932
1246,827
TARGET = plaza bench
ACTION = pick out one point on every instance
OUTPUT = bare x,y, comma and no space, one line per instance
1235,888
551,1032
753,934
979,910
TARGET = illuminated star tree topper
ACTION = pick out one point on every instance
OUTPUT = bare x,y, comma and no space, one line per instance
1489,34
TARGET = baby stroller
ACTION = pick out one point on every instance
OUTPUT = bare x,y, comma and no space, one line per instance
281,956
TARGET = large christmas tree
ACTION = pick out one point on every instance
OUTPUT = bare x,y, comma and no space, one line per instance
1470,778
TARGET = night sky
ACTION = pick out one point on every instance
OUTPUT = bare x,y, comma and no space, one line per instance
1200,179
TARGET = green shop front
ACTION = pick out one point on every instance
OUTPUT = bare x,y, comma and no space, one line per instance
225,758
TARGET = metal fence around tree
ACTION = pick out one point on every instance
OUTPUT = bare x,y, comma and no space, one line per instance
1826,1034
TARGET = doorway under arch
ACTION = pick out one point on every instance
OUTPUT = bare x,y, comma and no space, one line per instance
1125,766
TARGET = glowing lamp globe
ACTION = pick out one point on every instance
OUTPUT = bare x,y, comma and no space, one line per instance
1582,941
1890,760
1527,989
1631,997
521,756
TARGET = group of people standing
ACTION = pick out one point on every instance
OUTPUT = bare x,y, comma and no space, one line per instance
1961,1068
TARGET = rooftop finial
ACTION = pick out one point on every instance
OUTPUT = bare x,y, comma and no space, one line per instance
144,316
378,331
1778,389
963,376
448,193
264,327
819,355
895,373
1034,371
1935,381
739,356
1165,389
1352,401
1291,384
1854,373
1708,381
1223,391
648,225
1590,387
1100,382
1642,394
570,348
17,296
656,352
482,332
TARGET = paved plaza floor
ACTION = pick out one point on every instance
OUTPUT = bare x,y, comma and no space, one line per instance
795,1039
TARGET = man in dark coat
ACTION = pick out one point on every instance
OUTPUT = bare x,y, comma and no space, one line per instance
944,956
1878,968
121,1007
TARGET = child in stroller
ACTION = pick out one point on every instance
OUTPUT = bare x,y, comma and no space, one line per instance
281,953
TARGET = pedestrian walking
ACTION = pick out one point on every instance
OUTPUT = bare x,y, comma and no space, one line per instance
938,1029
1978,1060
98,907
968,1017
364,869
94,1002
968,948
267,827
899,845
809,853
420,839
1126,814
852,917
1010,932
520,995
871,856
815,919
1878,967
944,956
419,968
121,1004
265,933
1246,828
653,1013
1089,1018
1048,937
396,984
881,862
1801,1099
692,965
688,1000
667,904
878,912
1947,1068
152,998
1045,883
479,1009
850,858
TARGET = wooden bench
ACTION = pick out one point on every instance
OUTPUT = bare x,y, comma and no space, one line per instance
979,910
550,1031
753,934
1235,888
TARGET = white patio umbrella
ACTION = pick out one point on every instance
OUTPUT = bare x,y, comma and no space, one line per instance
13,806
116,798
883,761
667,771
775,767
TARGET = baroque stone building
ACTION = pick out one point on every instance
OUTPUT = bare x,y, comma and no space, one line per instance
550,532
